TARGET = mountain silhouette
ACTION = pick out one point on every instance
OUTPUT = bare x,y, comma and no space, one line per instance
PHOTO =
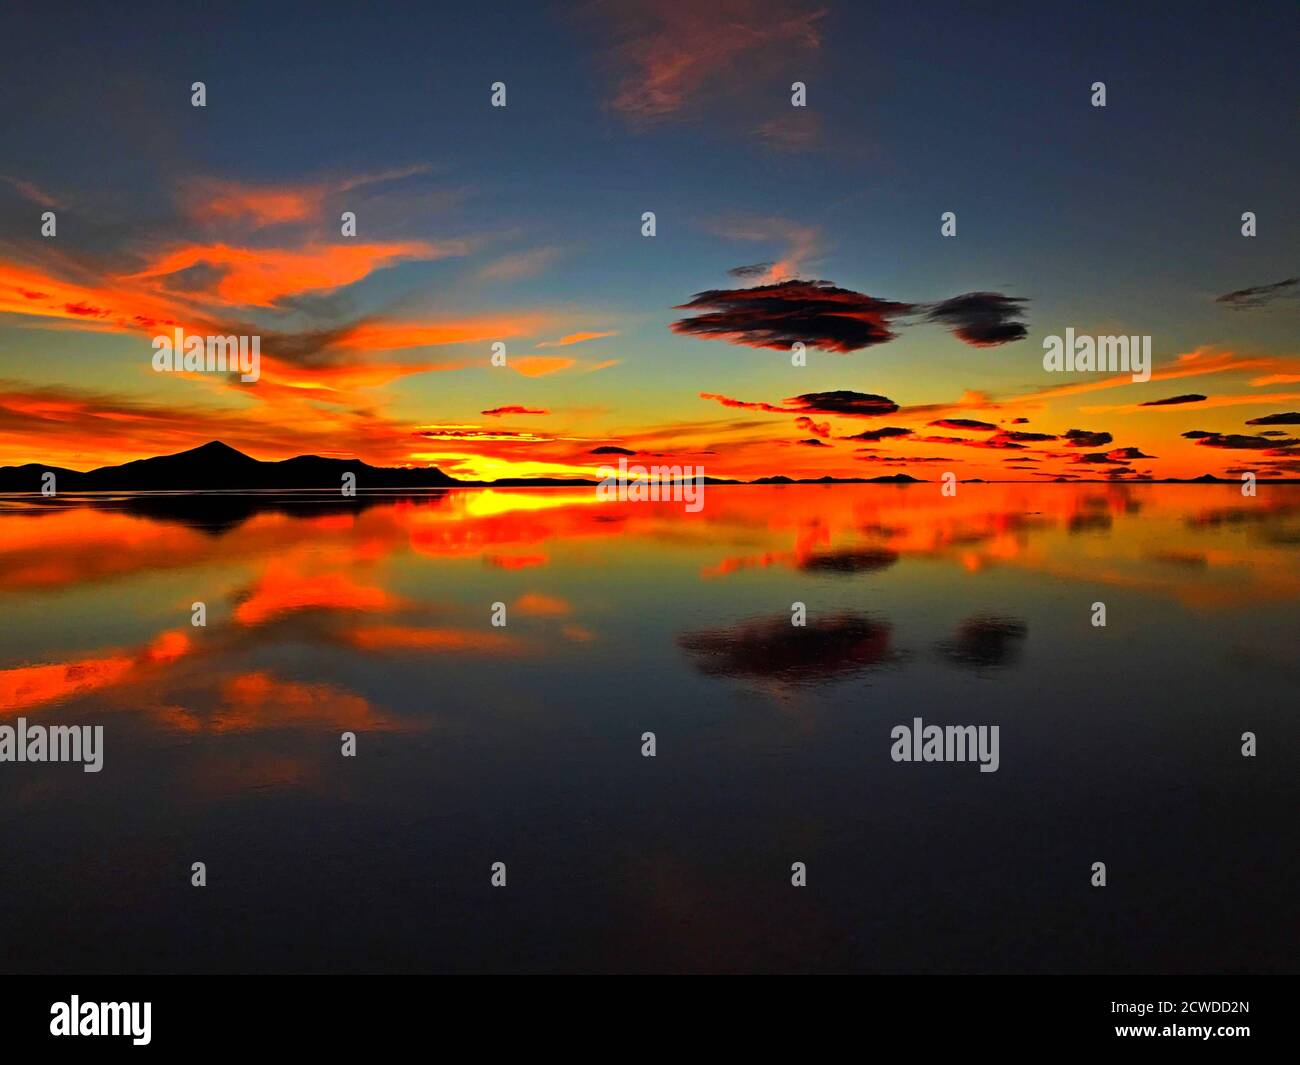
889,478
217,466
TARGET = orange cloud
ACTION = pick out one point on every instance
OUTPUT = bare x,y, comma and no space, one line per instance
540,365
262,205
28,291
574,338
215,200
335,383
261,277
391,336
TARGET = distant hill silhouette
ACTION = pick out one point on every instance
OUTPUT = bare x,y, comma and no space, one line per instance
891,478
218,467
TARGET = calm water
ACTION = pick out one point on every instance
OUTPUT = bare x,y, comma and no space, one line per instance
522,744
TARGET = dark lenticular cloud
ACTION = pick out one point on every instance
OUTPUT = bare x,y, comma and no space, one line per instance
1191,397
821,315
981,319
880,434
1019,434
859,404
1235,441
753,270
1115,457
497,412
853,404
1260,295
1086,438
779,315
1289,418
962,423
610,449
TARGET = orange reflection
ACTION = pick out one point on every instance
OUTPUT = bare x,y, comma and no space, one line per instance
25,687
260,700
283,589
317,567
410,638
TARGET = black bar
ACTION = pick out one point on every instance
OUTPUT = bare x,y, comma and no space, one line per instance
344,1014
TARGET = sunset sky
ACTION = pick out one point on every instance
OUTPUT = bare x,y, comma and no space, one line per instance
523,225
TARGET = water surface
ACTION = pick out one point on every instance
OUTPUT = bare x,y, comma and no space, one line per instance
522,743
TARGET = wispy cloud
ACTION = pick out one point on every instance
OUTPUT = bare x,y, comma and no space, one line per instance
798,244
264,277
574,338
540,365
1260,295
209,199
670,54
31,191
519,265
